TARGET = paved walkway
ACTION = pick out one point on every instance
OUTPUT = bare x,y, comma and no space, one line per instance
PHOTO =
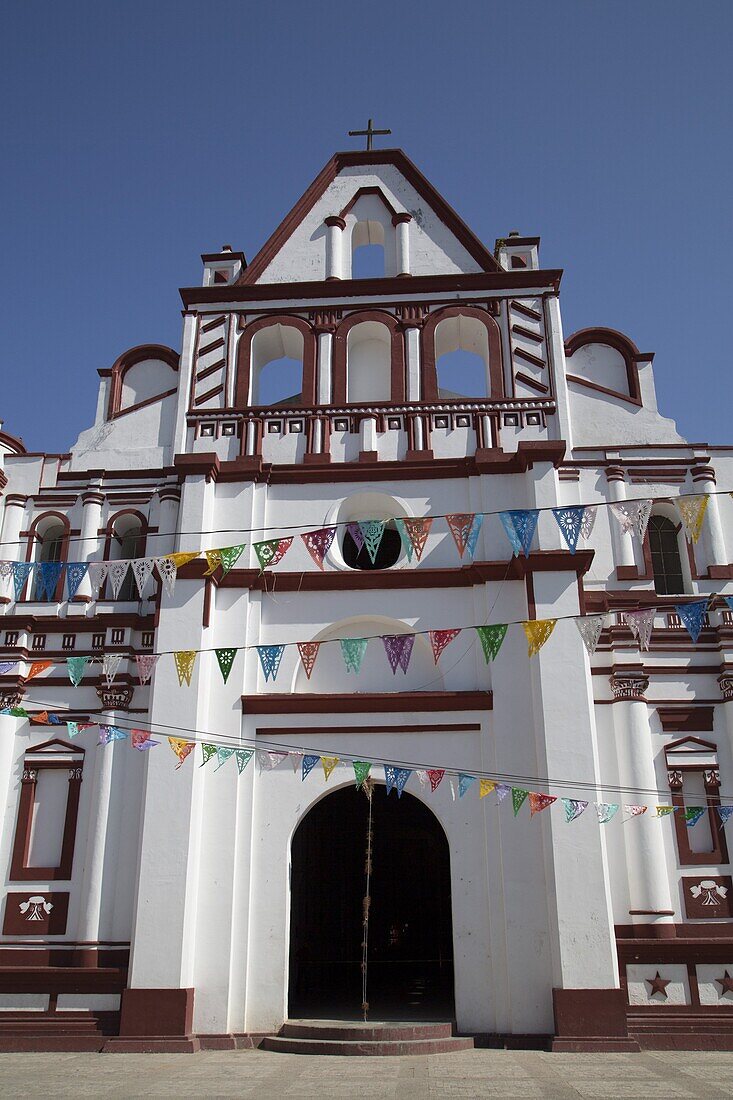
479,1073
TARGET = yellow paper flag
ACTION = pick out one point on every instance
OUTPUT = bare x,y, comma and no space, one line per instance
485,786
537,631
181,748
329,763
184,659
692,510
213,557
182,557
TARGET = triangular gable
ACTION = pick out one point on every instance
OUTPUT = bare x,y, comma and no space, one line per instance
53,749
442,241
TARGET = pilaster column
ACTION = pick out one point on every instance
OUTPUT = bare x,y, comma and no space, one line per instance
90,547
401,222
650,897
623,546
334,246
725,683
411,322
170,499
703,477
10,546
324,326
89,927
368,439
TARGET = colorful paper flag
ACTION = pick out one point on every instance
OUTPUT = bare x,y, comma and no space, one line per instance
37,668
97,573
632,515
539,802
693,815
309,763
641,624
588,521
537,631
76,571
396,778
225,660
692,510
519,525
460,525
76,666
663,811
185,660
725,812
519,796
116,573
243,757
47,574
271,551
361,772
464,782
435,775
181,748
473,534
439,639
108,734
142,741
6,667
222,755
110,664
570,522
270,658
398,648
692,616
141,569
207,752
352,651
318,543
146,662
573,808
635,811
167,572
21,572
485,786
372,531
230,555
491,638
605,811
183,557
590,628
328,763
308,652
414,534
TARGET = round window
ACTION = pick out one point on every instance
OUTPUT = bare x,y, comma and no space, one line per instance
387,555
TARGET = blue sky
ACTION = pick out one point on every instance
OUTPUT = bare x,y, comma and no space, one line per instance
135,136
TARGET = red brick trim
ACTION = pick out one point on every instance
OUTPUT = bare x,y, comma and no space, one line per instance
340,353
282,702
157,1012
129,359
20,869
429,370
621,343
244,357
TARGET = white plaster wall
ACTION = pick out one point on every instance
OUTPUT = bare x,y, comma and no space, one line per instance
602,420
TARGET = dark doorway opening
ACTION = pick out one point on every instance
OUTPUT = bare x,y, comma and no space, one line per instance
410,959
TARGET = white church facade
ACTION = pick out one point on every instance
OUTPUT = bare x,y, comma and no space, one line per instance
152,907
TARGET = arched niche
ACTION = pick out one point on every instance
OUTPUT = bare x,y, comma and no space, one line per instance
368,360
270,339
409,972
462,327
462,357
666,552
126,536
140,376
605,360
329,674
48,542
364,506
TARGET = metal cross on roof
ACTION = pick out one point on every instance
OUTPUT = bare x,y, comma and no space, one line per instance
368,133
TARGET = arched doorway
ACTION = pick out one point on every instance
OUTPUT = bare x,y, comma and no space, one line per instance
410,957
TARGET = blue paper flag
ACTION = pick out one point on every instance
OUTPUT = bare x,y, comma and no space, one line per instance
729,601
222,755
464,782
309,763
725,813
520,524
570,522
110,733
270,657
693,815
472,540
692,616
76,571
6,667
21,572
396,777
48,573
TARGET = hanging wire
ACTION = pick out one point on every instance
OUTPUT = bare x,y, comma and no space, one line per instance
343,523
261,742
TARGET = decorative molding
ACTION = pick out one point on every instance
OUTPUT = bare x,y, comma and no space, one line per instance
628,686
725,680
116,696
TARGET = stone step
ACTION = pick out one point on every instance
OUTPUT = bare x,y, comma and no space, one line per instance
365,1047
352,1031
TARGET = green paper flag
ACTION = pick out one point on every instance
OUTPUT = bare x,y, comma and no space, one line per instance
518,799
353,650
225,657
76,666
229,555
208,751
266,551
491,639
243,757
361,771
